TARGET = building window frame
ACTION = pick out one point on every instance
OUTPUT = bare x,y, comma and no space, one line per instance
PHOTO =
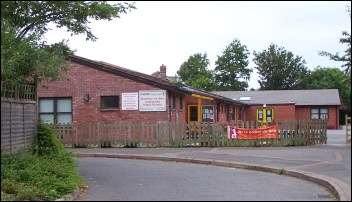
321,113
109,102
172,102
59,111
180,104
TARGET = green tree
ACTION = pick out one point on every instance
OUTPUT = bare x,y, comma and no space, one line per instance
28,60
25,54
279,69
231,71
346,58
329,78
195,73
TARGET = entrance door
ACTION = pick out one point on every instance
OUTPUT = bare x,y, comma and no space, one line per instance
265,115
193,114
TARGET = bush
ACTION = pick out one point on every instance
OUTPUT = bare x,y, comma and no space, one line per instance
48,172
38,177
47,141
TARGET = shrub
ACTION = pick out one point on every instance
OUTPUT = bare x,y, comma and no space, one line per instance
47,141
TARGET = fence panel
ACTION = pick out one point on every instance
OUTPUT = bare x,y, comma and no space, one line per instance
165,134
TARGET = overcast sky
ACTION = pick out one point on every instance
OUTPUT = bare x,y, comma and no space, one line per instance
168,33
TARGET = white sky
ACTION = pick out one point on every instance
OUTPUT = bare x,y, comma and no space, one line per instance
169,32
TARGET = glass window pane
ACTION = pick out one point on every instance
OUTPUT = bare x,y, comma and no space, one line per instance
315,111
324,116
64,105
64,118
315,116
47,118
110,102
324,111
268,112
180,102
46,105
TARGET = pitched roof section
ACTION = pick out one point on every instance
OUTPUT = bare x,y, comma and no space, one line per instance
147,79
127,73
299,97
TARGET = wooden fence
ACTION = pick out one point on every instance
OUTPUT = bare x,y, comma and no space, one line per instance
18,116
165,134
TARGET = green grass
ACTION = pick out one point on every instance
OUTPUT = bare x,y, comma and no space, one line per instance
45,172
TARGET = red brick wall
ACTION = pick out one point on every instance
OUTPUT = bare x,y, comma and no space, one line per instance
281,112
292,112
304,113
81,80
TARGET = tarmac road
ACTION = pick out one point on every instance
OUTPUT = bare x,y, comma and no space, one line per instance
329,163
112,179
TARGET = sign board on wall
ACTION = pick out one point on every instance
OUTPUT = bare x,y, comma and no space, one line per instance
207,113
152,100
129,101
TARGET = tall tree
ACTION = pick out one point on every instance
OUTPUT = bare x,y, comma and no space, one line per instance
195,73
346,58
25,54
279,69
329,78
231,71
326,78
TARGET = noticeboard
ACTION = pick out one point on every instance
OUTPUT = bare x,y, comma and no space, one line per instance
207,113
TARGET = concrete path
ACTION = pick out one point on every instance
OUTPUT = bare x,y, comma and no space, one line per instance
328,165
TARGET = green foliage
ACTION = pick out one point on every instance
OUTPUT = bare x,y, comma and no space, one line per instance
328,78
80,145
47,141
279,69
28,60
231,68
131,144
195,73
34,16
176,144
346,58
38,177
25,55
280,171
105,144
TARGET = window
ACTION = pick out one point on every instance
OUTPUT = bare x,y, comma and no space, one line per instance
180,103
232,116
109,102
55,110
172,102
319,113
245,98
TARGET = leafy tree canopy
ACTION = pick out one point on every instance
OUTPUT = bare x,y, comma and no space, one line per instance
34,16
195,73
231,71
279,69
25,55
328,78
346,58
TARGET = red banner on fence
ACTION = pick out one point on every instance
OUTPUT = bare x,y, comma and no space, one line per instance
258,133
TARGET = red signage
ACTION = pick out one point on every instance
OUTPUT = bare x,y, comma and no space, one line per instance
258,133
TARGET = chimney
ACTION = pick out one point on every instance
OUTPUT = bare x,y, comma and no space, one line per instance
163,71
